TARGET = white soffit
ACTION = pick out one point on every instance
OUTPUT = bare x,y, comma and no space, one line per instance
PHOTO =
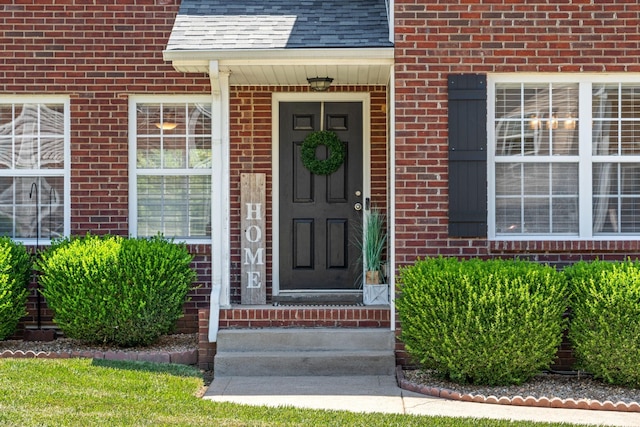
291,67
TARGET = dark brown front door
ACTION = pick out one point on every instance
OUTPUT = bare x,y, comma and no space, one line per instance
318,213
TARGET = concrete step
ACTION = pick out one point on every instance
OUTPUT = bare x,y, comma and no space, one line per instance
288,339
304,363
304,351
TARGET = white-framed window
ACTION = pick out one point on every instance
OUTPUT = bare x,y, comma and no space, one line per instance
34,167
564,156
170,167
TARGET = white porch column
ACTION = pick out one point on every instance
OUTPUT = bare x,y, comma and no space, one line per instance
220,250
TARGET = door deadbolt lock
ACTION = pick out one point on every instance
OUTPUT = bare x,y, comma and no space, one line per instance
357,206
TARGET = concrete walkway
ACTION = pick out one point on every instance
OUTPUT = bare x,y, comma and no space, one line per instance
382,394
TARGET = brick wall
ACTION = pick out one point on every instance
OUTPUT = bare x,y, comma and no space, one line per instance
434,39
97,53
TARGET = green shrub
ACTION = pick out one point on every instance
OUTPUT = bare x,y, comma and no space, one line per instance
114,290
15,274
485,322
605,319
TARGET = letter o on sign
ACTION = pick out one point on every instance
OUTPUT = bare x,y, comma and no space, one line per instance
253,236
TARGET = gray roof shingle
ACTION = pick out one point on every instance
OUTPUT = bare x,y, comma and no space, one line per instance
280,24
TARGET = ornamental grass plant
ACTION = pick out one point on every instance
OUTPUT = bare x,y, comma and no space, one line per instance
110,289
375,240
483,322
15,274
605,319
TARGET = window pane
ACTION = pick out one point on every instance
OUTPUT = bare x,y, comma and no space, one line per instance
200,206
536,120
183,136
508,99
603,99
565,179
536,198
173,119
616,190
536,179
563,120
616,120
605,209
6,118
32,136
199,119
630,214
26,152
148,121
508,179
20,199
176,206
630,138
200,153
52,120
52,207
26,119
7,206
605,137
509,215
148,153
537,215
565,215
149,205
6,153
629,102
52,153
174,153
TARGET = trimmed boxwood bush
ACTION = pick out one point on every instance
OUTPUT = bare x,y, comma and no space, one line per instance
115,290
15,274
605,319
484,322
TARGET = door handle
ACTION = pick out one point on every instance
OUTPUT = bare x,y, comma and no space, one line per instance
358,206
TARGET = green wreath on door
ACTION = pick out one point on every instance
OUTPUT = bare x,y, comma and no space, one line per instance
332,163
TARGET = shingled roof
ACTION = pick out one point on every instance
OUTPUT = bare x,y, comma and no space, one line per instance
279,24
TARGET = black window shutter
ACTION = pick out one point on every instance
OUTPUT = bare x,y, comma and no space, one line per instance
467,155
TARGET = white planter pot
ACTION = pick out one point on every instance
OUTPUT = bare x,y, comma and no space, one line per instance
375,294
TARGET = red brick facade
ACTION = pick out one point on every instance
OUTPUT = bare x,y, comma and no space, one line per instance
434,39
99,54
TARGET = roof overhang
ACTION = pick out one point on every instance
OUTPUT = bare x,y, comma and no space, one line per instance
285,67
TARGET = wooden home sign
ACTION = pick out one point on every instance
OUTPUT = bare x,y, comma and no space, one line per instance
253,238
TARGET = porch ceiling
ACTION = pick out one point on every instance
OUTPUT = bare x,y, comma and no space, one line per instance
291,67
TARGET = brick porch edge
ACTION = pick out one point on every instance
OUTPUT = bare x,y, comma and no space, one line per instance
187,357
543,402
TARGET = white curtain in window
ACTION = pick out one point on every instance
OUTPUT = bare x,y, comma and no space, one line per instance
602,110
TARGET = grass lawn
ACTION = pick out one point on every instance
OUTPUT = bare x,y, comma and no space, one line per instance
85,392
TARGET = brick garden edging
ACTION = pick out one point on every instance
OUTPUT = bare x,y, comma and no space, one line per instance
186,357
542,402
